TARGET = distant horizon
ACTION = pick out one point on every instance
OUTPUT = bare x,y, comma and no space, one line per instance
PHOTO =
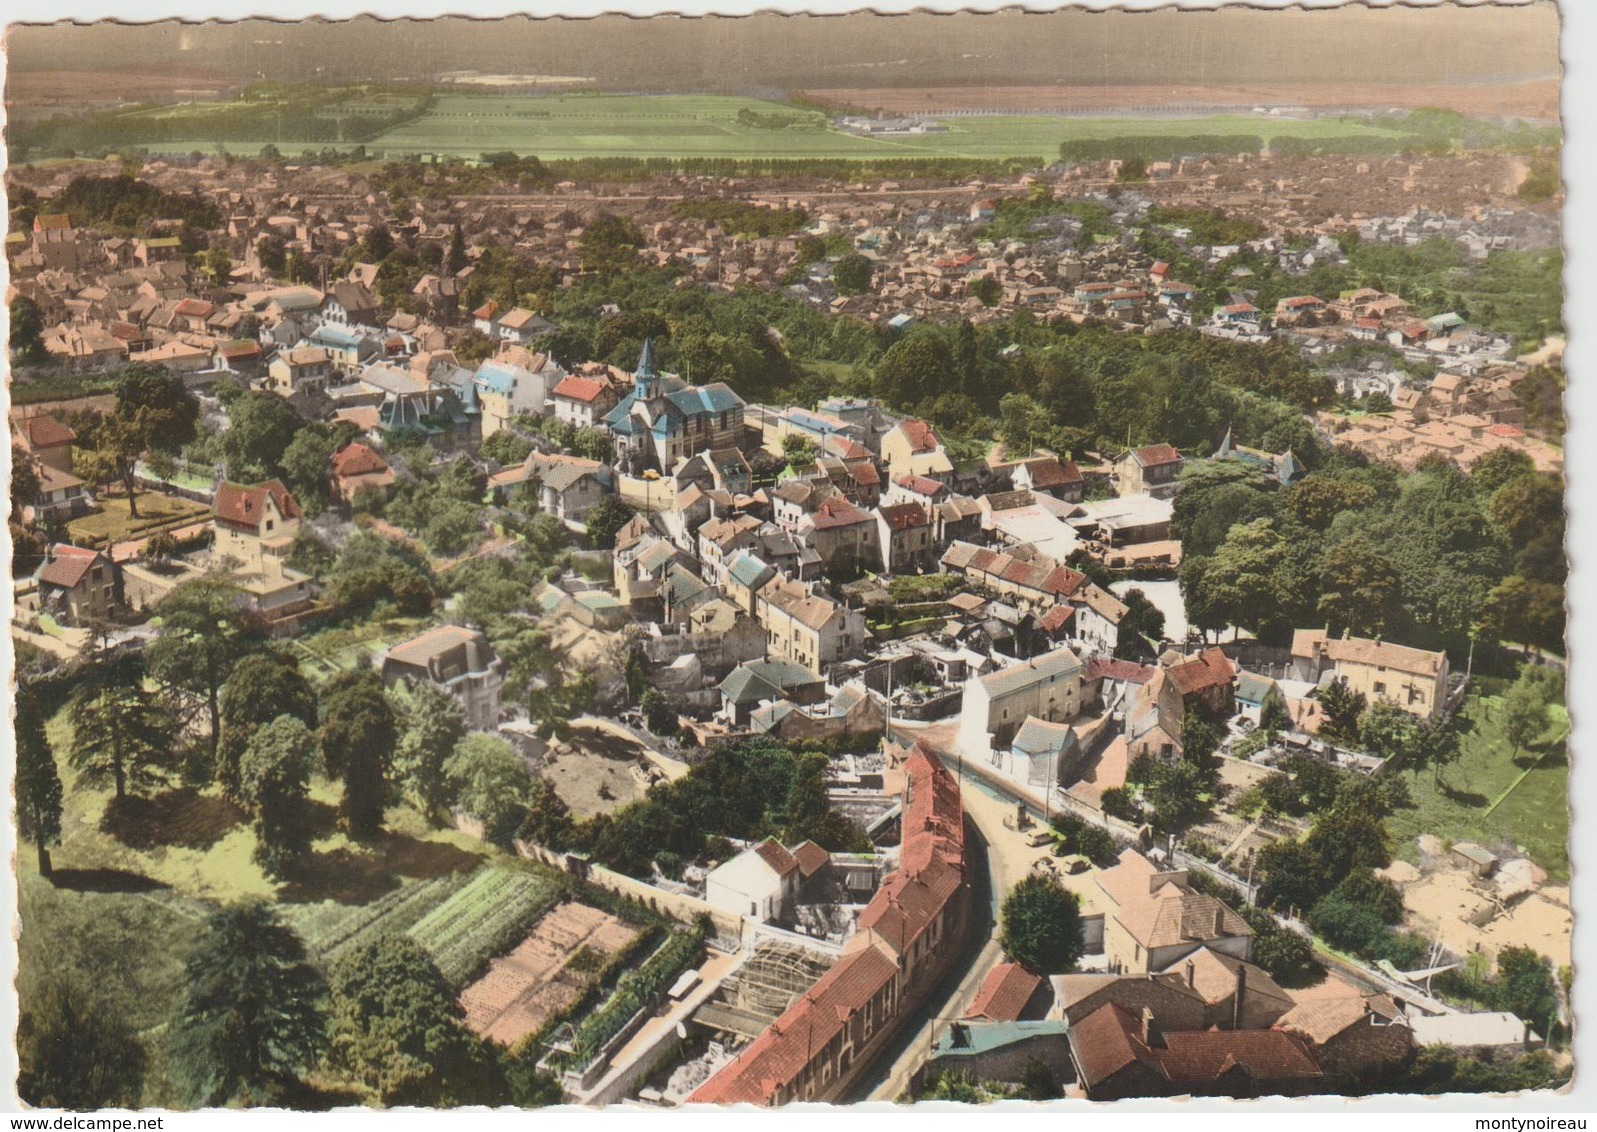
769,53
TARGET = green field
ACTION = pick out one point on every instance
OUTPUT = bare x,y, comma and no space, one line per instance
1469,802
568,126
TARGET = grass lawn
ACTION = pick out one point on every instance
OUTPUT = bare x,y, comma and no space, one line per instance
331,651
196,843
132,889
113,522
1469,804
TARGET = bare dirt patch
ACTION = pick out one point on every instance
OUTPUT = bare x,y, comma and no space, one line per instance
89,88
545,973
1533,99
592,769
1466,917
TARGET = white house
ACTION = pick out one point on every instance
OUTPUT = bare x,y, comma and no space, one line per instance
761,883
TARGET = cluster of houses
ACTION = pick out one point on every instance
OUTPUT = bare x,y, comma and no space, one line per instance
1170,1002
1461,416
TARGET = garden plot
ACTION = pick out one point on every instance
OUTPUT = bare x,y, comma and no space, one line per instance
549,970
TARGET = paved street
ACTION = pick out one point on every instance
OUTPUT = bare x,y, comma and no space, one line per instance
996,858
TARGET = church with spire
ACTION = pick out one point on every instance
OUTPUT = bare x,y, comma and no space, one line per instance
663,420
1286,467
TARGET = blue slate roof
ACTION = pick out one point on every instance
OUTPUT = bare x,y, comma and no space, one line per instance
765,680
497,377
330,335
966,1039
716,398
749,571
646,367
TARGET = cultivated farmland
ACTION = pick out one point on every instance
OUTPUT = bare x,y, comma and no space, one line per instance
549,970
333,930
685,126
483,919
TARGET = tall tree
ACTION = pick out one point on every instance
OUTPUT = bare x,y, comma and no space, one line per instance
154,412
455,257
251,1019
27,332
260,429
397,1028
357,740
274,779
261,687
38,781
610,244
1041,925
1362,590
918,366
76,1054
434,724
852,274
491,783
1525,715
121,734
24,482
206,629
1341,708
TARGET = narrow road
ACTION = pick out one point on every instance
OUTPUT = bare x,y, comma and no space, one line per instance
995,859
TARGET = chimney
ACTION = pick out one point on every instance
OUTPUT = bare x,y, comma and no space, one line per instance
1192,973
1527,1036
1151,1036
1242,991
1219,919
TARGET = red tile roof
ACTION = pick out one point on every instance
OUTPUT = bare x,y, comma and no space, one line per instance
837,512
1004,993
922,485
1057,618
781,861
903,516
243,505
196,308
920,435
1110,1039
1209,669
811,858
584,389
45,432
865,474
1155,454
1099,669
67,566
1052,473
358,460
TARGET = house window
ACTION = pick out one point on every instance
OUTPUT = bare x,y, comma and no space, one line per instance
1380,688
